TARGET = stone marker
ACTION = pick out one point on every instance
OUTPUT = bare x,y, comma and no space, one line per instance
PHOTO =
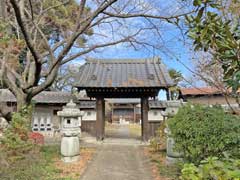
70,129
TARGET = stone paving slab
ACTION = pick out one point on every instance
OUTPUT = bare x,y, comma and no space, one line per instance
118,162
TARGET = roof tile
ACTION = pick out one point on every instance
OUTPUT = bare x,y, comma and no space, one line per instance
43,97
106,73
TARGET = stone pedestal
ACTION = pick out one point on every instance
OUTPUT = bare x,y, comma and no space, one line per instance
70,149
172,155
70,129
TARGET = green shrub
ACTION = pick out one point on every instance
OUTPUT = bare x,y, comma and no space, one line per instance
20,158
15,140
212,168
200,132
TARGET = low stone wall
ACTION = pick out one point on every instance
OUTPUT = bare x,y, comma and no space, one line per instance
89,127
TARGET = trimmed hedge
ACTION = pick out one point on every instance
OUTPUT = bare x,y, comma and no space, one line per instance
200,132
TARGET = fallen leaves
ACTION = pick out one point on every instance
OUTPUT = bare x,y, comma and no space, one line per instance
74,170
158,160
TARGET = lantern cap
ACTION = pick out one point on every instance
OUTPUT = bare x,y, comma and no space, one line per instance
70,110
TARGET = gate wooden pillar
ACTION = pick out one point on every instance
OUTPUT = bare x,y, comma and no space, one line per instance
144,119
168,94
100,123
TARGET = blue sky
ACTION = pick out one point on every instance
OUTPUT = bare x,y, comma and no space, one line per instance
171,38
172,51
173,54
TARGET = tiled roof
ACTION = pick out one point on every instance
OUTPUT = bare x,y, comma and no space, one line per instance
43,97
157,104
118,73
87,104
200,91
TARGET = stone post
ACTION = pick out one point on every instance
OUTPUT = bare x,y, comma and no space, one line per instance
70,129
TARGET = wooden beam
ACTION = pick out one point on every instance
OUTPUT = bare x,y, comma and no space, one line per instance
144,119
100,123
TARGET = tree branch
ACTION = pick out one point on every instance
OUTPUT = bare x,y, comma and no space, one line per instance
124,16
23,29
93,48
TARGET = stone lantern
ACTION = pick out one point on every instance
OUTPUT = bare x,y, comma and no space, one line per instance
70,129
172,155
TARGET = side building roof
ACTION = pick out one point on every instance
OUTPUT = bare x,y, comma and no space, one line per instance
200,91
54,97
156,104
87,104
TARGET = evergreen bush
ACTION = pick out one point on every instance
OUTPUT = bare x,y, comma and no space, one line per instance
200,132
212,168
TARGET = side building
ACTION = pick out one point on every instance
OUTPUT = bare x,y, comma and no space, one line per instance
156,115
46,105
207,96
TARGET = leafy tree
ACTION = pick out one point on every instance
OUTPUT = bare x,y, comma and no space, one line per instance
215,29
177,78
38,37
175,75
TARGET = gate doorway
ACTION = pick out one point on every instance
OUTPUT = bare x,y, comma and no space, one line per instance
123,118
123,131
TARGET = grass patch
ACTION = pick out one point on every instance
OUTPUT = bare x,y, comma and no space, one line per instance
45,163
161,170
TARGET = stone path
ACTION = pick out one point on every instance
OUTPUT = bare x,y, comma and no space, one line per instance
122,131
118,162
118,157
117,131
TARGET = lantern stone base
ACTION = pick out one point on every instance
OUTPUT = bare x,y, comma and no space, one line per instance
70,159
70,148
172,155
173,160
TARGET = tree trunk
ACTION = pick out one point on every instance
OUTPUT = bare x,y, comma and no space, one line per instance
2,9
229,104
23,100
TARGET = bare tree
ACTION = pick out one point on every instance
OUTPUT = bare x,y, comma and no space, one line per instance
211,73
38,37
65,78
